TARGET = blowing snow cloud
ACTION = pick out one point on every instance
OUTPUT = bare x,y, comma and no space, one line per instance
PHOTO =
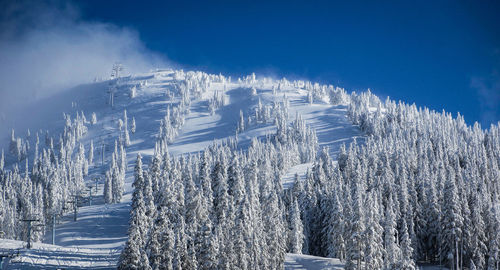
45,48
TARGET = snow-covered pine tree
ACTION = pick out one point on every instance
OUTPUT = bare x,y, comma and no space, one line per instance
108,188
122,170
13,142
296,234
204,180
193,203
472,266
126,137
374,249
451,222
478,242
155,174
209,249
356,226
133,91
160,242
93,119
220,196
241,122
134,255
406,249
91,153
393,252
335,228
2,162
83,162
493,231
115,178
132,126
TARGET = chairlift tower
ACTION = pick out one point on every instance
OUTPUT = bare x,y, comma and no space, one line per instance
75,205
30,227
89,188
54,229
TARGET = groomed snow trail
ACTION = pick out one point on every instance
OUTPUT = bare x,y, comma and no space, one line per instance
56,257
332,127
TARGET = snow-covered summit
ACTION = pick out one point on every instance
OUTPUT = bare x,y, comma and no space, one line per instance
203,109
198,170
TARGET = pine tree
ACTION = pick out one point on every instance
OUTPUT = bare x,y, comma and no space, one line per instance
13,142
209,249
478,234
296,235
183,259
393,252
235,184
126,137
273,229
472,266
160,244
451,221
205,180
108,188
82,160
355,244
432,214
406,249
2,162
93,120
240,234
125,119
220,197
336,229
150,209
133,91
133,255
374,249
155,174
193,205
91,152
122,159
132,126
494,236
115,181
241,122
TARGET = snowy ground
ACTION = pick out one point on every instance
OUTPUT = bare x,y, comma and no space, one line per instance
305,262
95,239
56,257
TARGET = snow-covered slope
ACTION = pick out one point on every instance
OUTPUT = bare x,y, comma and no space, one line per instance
306,262
47,256
96,238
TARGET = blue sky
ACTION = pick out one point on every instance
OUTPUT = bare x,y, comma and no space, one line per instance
439,54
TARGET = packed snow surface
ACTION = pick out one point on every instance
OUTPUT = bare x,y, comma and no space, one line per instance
305,262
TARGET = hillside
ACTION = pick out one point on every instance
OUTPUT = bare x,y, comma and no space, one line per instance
194,170
101,229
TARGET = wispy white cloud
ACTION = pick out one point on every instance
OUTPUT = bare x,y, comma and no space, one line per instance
47,47
488,90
